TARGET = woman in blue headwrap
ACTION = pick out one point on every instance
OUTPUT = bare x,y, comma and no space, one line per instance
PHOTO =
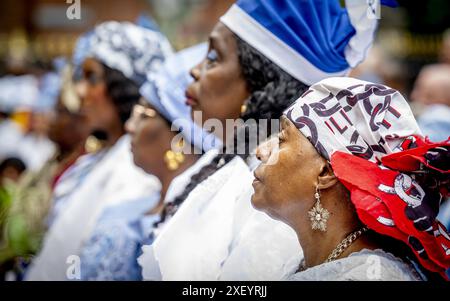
115,65
112,250
260,54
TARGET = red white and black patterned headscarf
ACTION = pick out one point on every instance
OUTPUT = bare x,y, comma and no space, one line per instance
397,178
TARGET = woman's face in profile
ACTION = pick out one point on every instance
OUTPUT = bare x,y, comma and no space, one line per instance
96,103
287,176
150,137
219,88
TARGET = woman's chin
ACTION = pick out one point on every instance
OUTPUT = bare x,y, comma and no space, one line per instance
257,201
137,162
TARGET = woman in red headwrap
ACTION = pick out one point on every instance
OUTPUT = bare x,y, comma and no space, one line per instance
352,175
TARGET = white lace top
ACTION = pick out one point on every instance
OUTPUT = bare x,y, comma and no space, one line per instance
365,265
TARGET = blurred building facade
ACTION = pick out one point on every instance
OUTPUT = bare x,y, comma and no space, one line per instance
35,31
38,30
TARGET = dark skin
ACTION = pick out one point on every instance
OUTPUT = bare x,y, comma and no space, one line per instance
151,137
219,89
69,131
10,173
97,105
285,184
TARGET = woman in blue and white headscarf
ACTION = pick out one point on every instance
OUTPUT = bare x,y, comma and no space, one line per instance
163,145
114,66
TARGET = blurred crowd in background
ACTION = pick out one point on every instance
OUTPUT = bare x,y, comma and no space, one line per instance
411,53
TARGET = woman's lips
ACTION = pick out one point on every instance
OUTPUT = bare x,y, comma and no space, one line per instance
256,180
190,101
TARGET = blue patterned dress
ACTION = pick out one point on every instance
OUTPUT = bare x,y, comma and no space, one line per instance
112,250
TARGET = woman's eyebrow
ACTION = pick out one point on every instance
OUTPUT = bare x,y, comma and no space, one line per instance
214,43
211,42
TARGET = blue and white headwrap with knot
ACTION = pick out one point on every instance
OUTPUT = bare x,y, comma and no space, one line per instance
165,91
129,48
309,39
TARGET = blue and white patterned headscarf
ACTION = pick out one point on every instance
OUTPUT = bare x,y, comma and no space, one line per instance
165,90
81,50
131,49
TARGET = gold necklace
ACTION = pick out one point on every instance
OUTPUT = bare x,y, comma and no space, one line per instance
344,244
340,248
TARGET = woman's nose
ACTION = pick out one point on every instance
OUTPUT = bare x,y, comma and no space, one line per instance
264,150
195,72
130,125
81,89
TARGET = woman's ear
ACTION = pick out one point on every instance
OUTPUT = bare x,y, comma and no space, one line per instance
326,178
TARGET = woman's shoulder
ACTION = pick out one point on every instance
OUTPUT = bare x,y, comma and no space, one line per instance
365,265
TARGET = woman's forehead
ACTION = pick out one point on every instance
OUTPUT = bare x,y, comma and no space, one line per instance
221,38
92,64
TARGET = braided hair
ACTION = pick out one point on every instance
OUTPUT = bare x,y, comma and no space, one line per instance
272,91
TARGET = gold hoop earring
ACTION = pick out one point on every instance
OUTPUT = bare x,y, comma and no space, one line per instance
318,215
173,159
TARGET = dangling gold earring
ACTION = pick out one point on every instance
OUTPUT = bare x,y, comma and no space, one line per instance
173,159
318,215
243,108
93,144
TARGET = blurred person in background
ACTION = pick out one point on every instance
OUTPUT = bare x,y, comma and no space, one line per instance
382,68
36,146
114,66
432,92
15,111
444,55
155,127
11,170
26,221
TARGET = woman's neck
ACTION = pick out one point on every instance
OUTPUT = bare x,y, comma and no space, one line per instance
71,153
113,134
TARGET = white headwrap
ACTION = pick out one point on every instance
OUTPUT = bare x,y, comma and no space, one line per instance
354,116
165,90
131,49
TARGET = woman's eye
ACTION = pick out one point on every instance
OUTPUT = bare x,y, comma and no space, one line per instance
92,77
212,56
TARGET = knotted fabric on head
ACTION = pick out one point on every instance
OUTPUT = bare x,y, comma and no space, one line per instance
309,39
126,47
396,177
165,90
